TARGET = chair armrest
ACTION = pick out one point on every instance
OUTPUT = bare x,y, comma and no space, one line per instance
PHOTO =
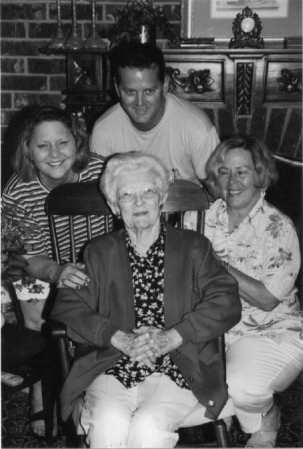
54,329
58,333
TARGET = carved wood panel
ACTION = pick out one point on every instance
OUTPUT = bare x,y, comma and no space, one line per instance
197,81
283,81
244,80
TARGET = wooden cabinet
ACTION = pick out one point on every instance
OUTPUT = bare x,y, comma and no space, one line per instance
88,83
245,91
256,91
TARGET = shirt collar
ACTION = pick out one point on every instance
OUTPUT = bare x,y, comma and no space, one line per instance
222,210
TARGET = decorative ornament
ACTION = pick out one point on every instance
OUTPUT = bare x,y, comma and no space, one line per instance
74,42
139,20
57,43
94,41
247,28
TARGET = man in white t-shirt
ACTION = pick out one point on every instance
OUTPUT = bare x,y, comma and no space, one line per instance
149,119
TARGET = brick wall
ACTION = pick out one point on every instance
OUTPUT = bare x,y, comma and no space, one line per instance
28,76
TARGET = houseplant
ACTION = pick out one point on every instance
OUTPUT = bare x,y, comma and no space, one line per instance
140,20
20,234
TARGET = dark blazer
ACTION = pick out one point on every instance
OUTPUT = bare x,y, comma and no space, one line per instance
200,301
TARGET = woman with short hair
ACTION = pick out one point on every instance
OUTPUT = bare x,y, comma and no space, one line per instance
156,303
260,247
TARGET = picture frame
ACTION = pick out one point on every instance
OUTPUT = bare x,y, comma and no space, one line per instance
197,23
264,8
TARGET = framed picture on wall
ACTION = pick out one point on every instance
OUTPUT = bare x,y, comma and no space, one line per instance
214,18
264,8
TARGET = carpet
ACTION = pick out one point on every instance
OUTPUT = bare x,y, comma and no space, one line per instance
16,430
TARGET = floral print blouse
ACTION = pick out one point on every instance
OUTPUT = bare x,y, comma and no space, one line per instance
264,246
148,286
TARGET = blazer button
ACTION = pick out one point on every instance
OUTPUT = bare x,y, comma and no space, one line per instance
211,403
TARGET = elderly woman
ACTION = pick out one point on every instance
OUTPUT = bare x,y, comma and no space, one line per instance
51,151
260,247
156,302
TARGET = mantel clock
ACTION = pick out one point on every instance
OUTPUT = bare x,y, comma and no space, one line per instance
247,29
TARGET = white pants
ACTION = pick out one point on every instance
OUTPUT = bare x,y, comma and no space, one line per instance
145,416
257,367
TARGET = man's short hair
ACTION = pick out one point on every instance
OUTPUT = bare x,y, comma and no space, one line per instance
137,55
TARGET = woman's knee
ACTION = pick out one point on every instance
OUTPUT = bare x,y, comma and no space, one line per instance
105,426
246,369
248,391
147,429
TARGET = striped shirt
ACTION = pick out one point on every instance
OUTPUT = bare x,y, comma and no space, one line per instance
27,200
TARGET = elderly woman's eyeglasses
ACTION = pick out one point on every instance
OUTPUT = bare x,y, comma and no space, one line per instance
131,197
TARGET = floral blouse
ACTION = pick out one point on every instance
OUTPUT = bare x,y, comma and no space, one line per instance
148,286
264,246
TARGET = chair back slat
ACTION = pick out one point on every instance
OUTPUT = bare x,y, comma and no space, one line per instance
184,196
72,238
71,200
53,234
107,223
89,227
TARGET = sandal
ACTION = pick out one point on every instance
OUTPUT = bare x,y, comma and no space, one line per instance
38,430
37,424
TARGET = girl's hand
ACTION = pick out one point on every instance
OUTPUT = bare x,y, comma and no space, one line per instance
72,275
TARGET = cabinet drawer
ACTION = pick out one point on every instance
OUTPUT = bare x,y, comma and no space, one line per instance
283,81
197,81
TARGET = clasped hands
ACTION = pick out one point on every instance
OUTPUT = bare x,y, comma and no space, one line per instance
145,344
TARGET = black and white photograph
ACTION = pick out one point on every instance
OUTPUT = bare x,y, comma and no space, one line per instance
151,224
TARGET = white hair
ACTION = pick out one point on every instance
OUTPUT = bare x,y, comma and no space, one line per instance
125,163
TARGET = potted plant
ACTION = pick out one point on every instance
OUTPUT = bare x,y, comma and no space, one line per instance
140,20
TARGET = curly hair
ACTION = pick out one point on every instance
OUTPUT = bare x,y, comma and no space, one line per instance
34,116
131,161
263,160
